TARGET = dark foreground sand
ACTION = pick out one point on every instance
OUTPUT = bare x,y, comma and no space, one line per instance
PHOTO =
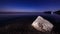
22,25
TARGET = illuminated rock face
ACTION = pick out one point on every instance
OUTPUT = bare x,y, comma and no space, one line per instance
42,24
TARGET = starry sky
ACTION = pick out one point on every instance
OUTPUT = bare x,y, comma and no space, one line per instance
30,5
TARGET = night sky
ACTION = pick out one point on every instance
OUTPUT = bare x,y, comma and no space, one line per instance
30,5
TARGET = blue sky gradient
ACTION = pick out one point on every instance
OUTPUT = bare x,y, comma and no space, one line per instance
30,5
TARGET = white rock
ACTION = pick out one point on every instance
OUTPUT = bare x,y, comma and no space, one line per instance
42,24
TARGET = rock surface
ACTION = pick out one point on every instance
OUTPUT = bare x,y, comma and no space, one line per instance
42,24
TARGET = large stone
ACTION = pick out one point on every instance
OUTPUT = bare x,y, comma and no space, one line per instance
42,24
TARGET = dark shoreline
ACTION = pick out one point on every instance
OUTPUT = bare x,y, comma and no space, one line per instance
25,20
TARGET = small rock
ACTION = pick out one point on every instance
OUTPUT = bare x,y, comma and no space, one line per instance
42,24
